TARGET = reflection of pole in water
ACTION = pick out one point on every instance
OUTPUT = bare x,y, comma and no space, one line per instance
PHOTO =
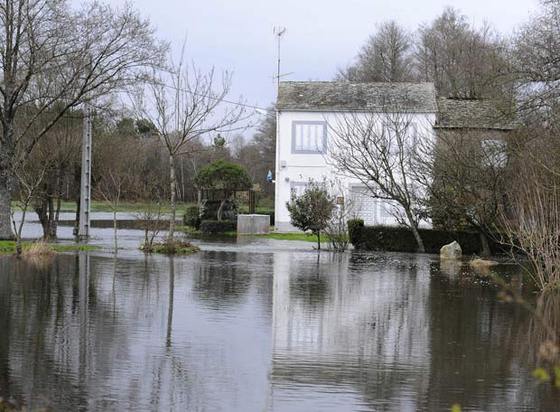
170,307
83,285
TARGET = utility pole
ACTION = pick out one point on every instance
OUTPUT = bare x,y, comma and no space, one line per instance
85,185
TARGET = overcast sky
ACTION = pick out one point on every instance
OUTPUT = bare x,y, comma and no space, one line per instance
322,35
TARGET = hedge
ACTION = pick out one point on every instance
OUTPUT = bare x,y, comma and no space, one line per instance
401,239
212,227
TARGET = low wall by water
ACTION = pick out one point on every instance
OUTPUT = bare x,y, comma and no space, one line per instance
253,224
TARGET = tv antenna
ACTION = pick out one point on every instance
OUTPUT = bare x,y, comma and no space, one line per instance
279,31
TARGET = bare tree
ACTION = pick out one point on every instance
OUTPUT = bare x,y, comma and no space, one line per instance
54,59
465,174
387,56
28,184
60,150
532,227
186,104
378,149
530,221
461,60
536,65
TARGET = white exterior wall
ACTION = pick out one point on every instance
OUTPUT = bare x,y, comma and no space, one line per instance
293,168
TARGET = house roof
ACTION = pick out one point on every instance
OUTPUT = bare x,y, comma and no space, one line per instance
471,114
346,96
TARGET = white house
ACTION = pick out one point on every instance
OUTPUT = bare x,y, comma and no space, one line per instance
308,115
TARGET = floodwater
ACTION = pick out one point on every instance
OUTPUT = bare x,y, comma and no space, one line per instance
247,327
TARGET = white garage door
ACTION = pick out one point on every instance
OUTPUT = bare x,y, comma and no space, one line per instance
372,211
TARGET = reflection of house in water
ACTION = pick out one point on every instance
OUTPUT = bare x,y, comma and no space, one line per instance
332,327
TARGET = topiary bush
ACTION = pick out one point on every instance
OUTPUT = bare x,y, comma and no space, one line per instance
213,227
192,217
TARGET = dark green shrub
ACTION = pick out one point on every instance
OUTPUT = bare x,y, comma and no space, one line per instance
192,217
355,230
212,227
401,239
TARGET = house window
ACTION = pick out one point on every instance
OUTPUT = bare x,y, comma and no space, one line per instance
309,137
495,153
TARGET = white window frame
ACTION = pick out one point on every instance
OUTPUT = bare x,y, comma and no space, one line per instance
299,123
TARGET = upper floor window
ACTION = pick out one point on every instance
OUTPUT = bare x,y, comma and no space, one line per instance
309,137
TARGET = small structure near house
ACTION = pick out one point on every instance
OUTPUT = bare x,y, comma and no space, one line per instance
253,224
218,182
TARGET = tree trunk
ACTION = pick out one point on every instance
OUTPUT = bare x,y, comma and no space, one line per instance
6,171
115,229
173,187
48,217
221,210
419,241
319,240
5,209
416,233
485,252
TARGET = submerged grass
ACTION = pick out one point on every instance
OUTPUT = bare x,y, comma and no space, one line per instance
167,247
9,247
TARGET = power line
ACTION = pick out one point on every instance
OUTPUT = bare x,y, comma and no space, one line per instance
250,106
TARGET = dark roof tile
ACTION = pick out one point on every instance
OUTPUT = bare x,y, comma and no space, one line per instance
346,96
472,114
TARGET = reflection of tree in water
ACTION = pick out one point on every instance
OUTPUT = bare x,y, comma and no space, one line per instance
221,281
310,284
24,313
40,309
477,349
542,343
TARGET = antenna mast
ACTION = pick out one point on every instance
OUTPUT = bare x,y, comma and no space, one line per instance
278,32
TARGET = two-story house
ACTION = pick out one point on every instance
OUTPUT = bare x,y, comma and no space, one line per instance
308,114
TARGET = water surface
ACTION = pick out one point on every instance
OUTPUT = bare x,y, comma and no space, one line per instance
234,329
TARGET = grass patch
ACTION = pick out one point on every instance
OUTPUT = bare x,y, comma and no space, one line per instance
193,232
167,247
301,236
9,246
127,207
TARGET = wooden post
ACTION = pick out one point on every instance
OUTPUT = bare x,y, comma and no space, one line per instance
252,203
